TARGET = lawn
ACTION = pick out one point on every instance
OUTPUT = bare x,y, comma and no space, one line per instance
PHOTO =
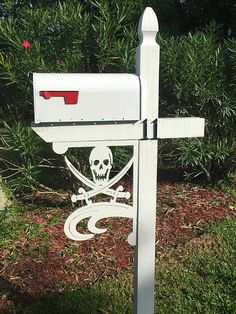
43,272
199,277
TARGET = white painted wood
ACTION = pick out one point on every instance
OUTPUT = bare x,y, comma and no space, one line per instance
146,227
62,147
148,68
101,97
101,162
95,212
180,127
93,132
100,167
147,64
133,235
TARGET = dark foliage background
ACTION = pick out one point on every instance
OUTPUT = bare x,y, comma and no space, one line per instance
197,77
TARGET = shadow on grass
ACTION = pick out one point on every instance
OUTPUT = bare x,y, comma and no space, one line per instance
111,297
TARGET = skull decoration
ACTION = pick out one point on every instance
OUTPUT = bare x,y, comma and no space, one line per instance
101,161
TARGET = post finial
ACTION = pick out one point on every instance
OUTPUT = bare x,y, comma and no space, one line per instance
147,64
148,22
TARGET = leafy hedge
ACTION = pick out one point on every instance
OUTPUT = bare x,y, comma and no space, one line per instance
197,78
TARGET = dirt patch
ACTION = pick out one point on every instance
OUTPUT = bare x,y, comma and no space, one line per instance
49,262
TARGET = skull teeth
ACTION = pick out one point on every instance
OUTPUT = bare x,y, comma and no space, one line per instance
100,177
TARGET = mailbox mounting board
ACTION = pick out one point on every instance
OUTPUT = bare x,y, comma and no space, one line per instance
86,97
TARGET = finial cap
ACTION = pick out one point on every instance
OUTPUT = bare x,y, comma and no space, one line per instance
148,21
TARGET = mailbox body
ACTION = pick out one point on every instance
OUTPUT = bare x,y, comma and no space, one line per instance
101,97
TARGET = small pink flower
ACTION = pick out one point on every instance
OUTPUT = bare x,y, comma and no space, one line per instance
58,61
26,44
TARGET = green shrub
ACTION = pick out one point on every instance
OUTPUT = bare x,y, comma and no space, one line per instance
26,162
197,74
197,78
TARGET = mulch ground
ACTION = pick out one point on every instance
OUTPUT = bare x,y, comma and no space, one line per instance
184,212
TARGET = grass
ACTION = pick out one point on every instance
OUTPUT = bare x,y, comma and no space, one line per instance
10,225
14,226
111,296
201,277
197,278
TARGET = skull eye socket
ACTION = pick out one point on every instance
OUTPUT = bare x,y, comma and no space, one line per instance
96,162
106,162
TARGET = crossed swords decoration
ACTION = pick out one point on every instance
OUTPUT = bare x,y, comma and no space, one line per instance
101,161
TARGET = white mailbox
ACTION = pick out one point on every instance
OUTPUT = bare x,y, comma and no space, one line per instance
86,97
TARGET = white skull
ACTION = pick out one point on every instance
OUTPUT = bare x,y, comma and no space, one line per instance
101,161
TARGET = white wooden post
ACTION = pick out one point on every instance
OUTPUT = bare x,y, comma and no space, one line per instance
86,127
148,70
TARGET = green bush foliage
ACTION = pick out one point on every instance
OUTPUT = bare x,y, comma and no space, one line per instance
197,74
198,79
22,160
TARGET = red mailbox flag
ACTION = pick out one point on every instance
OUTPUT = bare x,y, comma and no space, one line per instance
70,98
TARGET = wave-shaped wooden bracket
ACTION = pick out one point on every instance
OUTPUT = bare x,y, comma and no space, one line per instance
96,212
